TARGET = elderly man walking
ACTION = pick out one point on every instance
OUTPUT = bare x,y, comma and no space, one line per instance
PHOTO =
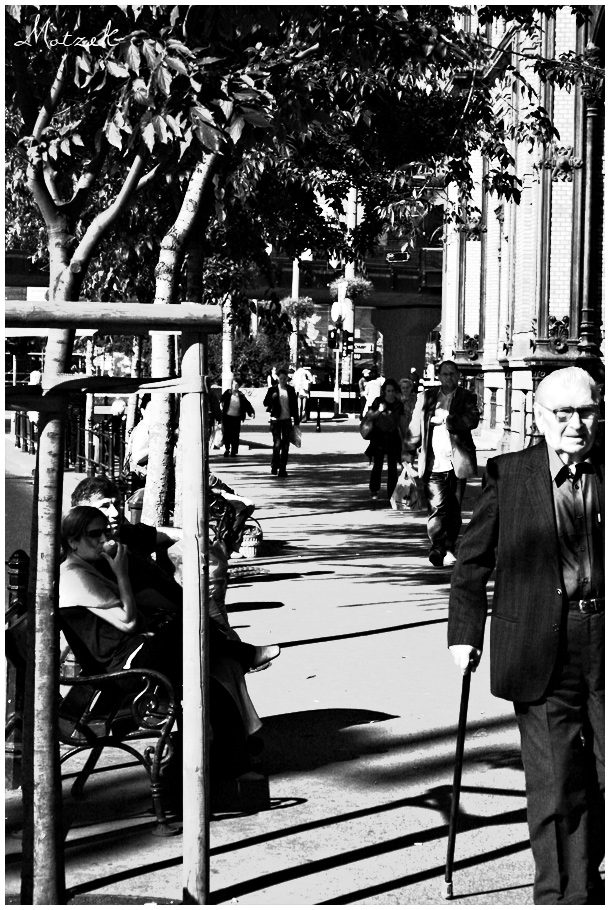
440,427
539,524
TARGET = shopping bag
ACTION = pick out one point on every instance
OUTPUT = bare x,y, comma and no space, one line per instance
217,438
295,436
366,427
406,496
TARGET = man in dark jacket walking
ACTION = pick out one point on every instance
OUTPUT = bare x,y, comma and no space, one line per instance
441,427
539,524
235,408
282,404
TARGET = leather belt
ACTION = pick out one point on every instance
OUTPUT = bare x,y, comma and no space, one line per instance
595,605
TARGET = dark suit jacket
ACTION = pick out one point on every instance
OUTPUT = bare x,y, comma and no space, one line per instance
513,530
272,402
463,417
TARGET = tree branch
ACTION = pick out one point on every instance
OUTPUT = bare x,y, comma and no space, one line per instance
40,192
102,223
83,187
52,100
149,178
49,179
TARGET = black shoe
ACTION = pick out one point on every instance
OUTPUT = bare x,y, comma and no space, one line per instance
226,454
274,470
283,474
436,557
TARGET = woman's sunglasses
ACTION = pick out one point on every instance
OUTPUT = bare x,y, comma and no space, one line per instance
96,533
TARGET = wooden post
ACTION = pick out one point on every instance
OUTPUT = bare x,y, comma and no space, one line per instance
194,407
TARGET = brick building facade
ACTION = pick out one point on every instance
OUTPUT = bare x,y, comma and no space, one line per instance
523,289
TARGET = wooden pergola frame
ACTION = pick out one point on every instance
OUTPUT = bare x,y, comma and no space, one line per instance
43,843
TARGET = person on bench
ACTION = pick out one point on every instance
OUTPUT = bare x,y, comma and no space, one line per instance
99,606
148,579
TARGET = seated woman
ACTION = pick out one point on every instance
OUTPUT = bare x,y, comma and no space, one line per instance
99,608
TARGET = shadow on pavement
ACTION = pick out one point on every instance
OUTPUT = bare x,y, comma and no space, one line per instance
306,740
389,845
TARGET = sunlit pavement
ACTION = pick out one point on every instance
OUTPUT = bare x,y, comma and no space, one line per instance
360,713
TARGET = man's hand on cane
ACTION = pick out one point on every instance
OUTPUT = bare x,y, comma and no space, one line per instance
465,656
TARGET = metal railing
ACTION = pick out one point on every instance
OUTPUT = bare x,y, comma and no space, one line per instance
93,447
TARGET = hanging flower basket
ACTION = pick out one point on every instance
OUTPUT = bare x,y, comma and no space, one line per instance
355,288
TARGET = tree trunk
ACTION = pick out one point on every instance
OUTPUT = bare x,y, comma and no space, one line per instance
136,372
43,869
227,343
167,274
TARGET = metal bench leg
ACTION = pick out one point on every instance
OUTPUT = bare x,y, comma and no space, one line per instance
157,784
81,778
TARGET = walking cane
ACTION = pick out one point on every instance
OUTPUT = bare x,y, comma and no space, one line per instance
457,781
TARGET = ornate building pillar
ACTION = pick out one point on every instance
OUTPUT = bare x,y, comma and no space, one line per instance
587,341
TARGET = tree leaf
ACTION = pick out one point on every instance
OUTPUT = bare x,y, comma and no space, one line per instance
133,57
236,128
176,64
163,80
150,55
173,125
209,138
148,135
83,62
160,128
117,69
255,118
178,46
113,135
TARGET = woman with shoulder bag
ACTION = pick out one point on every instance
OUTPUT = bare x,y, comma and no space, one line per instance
387,415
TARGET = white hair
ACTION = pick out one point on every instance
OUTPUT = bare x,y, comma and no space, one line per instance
568,378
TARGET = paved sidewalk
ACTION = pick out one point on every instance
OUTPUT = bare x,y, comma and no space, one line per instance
360,714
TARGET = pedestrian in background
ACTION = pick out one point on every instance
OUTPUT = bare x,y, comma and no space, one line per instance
415,379
272,378
281,402
408,396
387,414
361,391
301,382
138,446
441,428
372,389
235,408
539,524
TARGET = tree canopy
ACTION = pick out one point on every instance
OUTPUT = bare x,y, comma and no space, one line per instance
108,102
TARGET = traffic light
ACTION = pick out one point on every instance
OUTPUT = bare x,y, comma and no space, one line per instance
333,339
347,343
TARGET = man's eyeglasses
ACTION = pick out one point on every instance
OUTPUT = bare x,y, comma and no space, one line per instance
96,533
564,415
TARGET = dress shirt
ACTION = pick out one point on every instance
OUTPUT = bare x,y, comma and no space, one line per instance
284,404
578,520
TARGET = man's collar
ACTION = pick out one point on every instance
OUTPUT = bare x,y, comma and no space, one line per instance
448,395
559,469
